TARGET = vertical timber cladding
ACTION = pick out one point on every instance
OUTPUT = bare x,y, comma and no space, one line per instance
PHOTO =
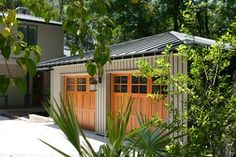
81,91
126,85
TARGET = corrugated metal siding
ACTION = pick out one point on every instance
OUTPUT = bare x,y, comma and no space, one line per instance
103,93
178,65
101,104
129,64
15,96
50,39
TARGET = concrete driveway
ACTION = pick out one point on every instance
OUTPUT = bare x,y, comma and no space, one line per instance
20,138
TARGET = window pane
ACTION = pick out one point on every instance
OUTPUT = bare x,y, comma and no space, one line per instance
156,89
135,89
134,80
92,80
154,79
79,88
117,79
83,87
23,29
83,80
143,80
117,88
79,81
70,88
70,81
164,89
32,35
123,79
124,88
143,89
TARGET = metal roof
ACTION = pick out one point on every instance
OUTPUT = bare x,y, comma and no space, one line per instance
31,18
146,46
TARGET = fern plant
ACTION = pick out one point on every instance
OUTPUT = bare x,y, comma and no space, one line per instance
119,142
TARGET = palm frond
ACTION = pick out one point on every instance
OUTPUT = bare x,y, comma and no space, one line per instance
64,116
59,151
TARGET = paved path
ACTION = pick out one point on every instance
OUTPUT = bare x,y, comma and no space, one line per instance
21,139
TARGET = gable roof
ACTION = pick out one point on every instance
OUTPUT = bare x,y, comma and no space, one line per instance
147,46
31,18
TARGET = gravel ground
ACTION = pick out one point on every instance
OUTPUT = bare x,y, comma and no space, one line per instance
20,138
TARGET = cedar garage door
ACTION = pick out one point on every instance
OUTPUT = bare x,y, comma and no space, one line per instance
137,88
82,94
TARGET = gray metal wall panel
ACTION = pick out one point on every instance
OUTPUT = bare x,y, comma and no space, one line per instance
50,39
15,96
101,105
178,99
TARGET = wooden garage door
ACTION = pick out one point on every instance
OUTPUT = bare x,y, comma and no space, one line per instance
81,91
137,88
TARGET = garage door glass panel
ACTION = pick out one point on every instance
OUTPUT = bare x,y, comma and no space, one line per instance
124,79
117,88
81,84
92,80
135,89
143,89
164,89
124,88
120,84
139,85
70,83
143,80
158,88
70,88
134,80
117,79
92,84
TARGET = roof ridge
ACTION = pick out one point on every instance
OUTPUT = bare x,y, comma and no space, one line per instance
191,38
139,39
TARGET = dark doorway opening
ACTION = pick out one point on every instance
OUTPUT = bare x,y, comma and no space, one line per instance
38,89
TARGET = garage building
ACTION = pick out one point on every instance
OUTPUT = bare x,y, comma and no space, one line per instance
93,101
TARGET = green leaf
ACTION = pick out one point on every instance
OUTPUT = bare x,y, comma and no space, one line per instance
6,51
37,53
5,32
11,17
20,35
47,17
20,84
91,68
71,27
135,1
83,28
73,49
17,49
31,66
56,149
4,84
21,63
70,11
81,53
